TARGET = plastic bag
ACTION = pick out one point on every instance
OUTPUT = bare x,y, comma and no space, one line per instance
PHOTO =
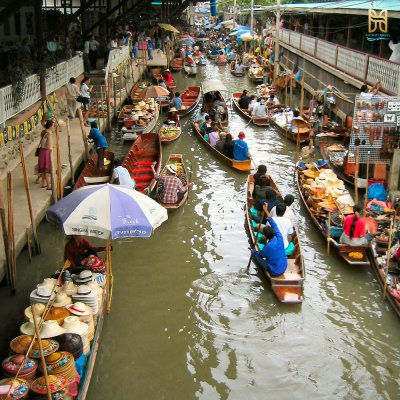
377,191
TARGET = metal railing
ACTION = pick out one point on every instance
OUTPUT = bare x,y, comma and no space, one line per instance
55,78
361,66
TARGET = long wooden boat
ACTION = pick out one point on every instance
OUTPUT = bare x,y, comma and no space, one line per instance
181,174
163,101
91,176
242,166
132,132
144,152
213,56
210,110
336,153
256,77
190,98
278,121
352,255
176,64
288,287
221,63
245,113
189,70
232,70
169,134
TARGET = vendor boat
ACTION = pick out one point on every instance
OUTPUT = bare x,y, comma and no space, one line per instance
144,152
242,166
90,174
288,287
176,64
190,98
256,74
232,70
297,130
221,62
181,174
326,206
169,133
163,101
213,56
245,113
189,70
221,113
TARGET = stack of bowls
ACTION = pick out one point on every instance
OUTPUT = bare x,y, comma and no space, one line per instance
57,383
11,365
61,363
20,388
20,345
73,325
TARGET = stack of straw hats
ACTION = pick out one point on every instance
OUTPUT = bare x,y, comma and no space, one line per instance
85,314
87,296
11,365
51,329
72,343
20,388
57,384
61,363
72,324
21,344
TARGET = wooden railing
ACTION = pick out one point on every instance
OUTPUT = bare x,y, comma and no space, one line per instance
361,66
55,78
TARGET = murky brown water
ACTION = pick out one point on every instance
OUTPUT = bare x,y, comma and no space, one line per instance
189,321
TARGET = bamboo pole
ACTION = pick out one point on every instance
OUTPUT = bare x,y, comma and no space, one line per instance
11,239
37,249
120,90
110,276
108,96
52,177
85,143
97,108
59,167
388,254
5,230
302,93
115,96
102,107
357,144
69,153
39,340
366,186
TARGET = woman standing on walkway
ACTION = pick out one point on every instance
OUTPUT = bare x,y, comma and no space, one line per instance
44,163
85,90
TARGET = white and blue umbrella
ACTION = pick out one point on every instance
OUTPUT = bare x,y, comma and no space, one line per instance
107,212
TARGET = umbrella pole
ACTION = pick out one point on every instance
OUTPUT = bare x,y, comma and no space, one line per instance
110,277
102,106
85,143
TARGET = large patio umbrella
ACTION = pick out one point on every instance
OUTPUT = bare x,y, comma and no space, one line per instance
153,91
107,212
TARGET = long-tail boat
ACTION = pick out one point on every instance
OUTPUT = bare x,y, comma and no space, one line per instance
169,133
215,85
242,166
295,129
233,72
288,287
90,174
182,174
144,152
245,113
176,64
327,211
190,98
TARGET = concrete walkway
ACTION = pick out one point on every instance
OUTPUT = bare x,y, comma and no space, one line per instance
42,198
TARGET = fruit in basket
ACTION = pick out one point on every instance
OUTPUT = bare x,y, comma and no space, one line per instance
356,255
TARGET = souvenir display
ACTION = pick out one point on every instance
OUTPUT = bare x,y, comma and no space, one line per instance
19,388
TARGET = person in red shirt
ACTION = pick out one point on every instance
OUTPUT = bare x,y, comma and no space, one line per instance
78,248
354,232
168,76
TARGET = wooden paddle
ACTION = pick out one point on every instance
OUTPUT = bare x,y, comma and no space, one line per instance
251,119
256,237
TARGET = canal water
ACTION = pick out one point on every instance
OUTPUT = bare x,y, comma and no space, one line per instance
189,321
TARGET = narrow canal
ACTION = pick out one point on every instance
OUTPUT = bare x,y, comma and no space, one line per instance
188,320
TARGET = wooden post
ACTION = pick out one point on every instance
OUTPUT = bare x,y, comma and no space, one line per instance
85,143
357,144
69,154
5,230
108,96
110,276
115,97
59,167
302,89
366,187
388,254
98,111
328,236
11,238
39,339
52,176
102,107
37,249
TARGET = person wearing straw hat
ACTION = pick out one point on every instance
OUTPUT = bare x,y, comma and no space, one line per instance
240,148
173,116
172,187
78,248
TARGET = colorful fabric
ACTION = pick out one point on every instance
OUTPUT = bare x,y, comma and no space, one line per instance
359,230
44,161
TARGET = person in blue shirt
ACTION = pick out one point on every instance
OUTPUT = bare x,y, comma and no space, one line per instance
150,49
176,101
100,142
240,148
272,257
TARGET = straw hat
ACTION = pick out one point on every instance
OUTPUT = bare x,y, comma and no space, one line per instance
141,103
51,329
58,314
50,282
172,168
70,288
28,328
80,309
56,383
72,324
62,300
173,109
39,309
136,108
84,277
20,344
139,114
41,294
49,346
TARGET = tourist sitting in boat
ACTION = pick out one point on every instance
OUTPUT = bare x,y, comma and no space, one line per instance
218,100
201,116
172,189
261,188
252,101
173,116
204,125
121,175
354,232
240,148
272,257
260,110
253,104
270,198
168,76
220,142
176,101
77,248
162,83
289,214
228,146
285,225
261,171
213,136
99,141
273,101
244,100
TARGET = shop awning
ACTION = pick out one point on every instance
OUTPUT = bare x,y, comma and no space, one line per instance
168,27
